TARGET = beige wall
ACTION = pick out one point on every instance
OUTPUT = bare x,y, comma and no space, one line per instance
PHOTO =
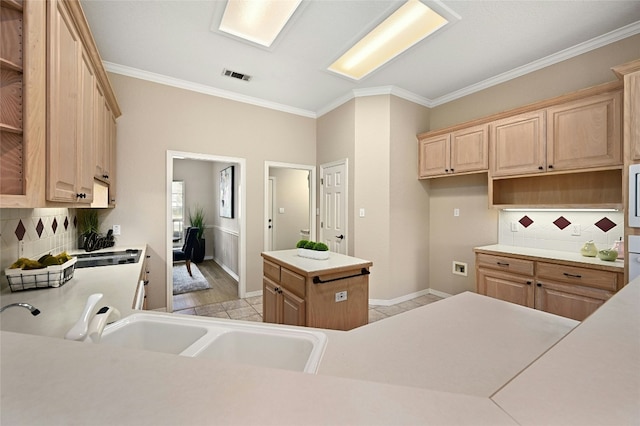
409,202
157,118
335,133
371,175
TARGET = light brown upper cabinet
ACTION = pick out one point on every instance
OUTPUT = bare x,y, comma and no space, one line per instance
70,102
518,144
581,134
50,71
458,152
585,133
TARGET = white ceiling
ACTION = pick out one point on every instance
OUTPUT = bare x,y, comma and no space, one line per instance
493,41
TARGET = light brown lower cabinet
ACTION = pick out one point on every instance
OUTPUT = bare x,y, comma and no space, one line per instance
561,289
297,297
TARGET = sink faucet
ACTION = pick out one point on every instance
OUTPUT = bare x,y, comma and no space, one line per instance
34,311
85,330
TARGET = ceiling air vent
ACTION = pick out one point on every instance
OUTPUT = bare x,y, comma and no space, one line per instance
233,74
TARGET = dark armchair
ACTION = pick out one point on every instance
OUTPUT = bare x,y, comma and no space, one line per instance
186,253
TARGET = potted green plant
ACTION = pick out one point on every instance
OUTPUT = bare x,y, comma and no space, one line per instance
87,225
312,250
196,218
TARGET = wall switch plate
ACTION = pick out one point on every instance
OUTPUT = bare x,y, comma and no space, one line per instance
575,229
361,212
456,212
116,229
341,296
281,210
514,226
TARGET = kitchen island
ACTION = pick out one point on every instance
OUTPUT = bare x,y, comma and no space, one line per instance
467,359
331,293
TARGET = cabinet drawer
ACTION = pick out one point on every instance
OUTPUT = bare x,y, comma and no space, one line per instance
575,275
271,270
504,263
293,282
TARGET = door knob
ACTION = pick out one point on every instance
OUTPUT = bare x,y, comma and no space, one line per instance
340,236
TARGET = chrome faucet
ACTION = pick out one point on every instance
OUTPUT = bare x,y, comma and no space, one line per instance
34,311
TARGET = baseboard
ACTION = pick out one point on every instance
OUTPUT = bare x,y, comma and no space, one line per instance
389,302
226,269
253,294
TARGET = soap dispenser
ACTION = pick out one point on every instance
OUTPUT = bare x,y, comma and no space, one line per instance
619,247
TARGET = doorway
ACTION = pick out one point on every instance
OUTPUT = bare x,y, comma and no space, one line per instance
334,203
289,204
239,166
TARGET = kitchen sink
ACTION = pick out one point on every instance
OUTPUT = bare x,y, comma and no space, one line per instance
259,344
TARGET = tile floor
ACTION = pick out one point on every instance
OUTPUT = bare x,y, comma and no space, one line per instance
250,309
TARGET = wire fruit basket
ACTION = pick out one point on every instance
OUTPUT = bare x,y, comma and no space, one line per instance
51,276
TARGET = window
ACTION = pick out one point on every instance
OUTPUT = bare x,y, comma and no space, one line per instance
177,212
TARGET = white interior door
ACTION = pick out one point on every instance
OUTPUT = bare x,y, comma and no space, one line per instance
271,219
333,206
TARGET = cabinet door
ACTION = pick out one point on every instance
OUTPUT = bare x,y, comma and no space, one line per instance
585,133
100,133
469,150
518,144
293,308
112,155
86,120
434,156
512,288
62,109
569,301
271,302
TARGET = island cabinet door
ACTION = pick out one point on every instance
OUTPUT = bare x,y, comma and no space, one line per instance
505,286
293,308
271,302
339,305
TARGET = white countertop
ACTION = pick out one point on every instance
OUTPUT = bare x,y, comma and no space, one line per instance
566,256
468,343
335,261
439,364
591,378
61,307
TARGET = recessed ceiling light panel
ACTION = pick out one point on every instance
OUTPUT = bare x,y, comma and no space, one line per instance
408,25
259,21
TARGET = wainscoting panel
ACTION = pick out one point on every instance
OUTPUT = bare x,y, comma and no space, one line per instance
225,249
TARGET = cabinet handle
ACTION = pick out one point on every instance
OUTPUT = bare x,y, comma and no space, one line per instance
451,170
550,166
539,284
572,275
446,170
528,282
148,256
145,282
81,195
540,168
502,264
105,176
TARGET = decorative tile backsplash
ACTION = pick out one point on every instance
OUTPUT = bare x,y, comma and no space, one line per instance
50,230
554,230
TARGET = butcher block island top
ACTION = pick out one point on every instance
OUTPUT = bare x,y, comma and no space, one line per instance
331,293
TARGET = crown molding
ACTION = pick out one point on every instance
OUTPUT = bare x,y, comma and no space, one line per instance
563,55
204,89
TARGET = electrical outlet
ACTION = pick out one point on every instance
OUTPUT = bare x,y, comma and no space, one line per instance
575,229
514,226
21,248
341,296
116,229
